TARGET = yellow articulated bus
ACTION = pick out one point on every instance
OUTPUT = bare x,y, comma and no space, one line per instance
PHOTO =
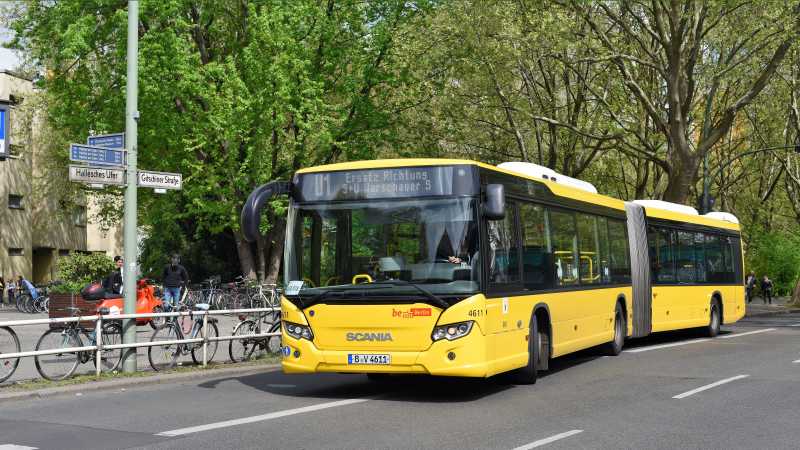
459,268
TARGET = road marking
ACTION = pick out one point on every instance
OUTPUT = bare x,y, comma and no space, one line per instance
260,418
796,362
745,334
709,386
16,447
546,441
658,347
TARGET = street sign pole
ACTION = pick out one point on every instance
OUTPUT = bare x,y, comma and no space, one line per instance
129,224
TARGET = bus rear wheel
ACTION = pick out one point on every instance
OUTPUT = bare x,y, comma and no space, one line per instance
714,320
529,373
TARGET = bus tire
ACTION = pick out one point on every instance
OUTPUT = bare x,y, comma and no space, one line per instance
529,373
714,319
614,347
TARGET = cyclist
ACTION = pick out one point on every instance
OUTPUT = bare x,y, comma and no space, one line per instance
175,277
25,284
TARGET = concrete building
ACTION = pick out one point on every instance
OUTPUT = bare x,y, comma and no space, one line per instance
36,229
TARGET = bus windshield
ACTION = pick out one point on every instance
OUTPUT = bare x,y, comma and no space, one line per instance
352,246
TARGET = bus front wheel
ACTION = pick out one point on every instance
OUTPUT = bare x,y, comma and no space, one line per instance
529,373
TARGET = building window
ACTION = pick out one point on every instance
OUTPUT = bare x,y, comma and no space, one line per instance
14,201
79,216
15,252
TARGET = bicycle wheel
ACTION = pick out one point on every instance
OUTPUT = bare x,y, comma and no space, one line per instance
9,343
165,357
57,366
244,349
27,304
38,305
274,342
156,322
197,349
20,301
110,359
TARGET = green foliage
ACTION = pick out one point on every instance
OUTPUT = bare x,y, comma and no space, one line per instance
776,255
79,269
231,94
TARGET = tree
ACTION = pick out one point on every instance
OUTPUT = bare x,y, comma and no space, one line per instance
232,94
710,60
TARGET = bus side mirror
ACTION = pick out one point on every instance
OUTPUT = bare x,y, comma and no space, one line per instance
495,206
251,212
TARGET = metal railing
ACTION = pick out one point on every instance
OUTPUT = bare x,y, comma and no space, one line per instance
98,346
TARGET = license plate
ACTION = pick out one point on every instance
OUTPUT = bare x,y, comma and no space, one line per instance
359,358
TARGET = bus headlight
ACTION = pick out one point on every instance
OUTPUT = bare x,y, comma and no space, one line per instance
452,331
298,331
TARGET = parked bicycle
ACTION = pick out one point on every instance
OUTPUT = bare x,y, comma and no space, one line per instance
166,356
41,304
9,343
61,365
246,349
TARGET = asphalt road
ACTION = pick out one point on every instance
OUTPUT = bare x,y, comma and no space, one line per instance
738,391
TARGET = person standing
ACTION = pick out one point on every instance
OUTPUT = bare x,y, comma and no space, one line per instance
2,291
175,277
766,289
750,285
113,283
12,299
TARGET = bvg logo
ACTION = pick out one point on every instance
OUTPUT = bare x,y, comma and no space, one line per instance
413,312
381,337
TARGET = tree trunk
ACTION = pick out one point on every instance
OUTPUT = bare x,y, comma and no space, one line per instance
681,179
262,260
245,253
276,239
796,293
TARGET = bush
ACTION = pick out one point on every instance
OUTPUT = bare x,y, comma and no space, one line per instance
79,269
776,255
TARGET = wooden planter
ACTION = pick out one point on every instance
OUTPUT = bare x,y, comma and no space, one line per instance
60,302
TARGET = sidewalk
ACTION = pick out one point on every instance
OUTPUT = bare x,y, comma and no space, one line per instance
29,335
778,306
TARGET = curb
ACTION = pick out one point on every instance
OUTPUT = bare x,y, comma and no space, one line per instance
773,313
153,379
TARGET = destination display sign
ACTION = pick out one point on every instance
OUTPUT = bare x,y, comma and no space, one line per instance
96,175
159,180
115,140
386,183
96,155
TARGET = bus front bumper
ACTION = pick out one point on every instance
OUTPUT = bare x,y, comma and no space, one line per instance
463,357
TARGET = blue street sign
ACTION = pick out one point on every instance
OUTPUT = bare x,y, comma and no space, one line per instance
114,140
4,141
96,155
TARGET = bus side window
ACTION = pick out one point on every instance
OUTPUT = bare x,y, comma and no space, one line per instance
619,252
662,257
565,247
685,257
503,246
537,256
700,256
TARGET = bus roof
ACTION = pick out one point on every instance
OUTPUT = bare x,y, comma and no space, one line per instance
557,189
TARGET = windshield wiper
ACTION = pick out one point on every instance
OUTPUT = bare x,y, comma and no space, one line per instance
428,294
